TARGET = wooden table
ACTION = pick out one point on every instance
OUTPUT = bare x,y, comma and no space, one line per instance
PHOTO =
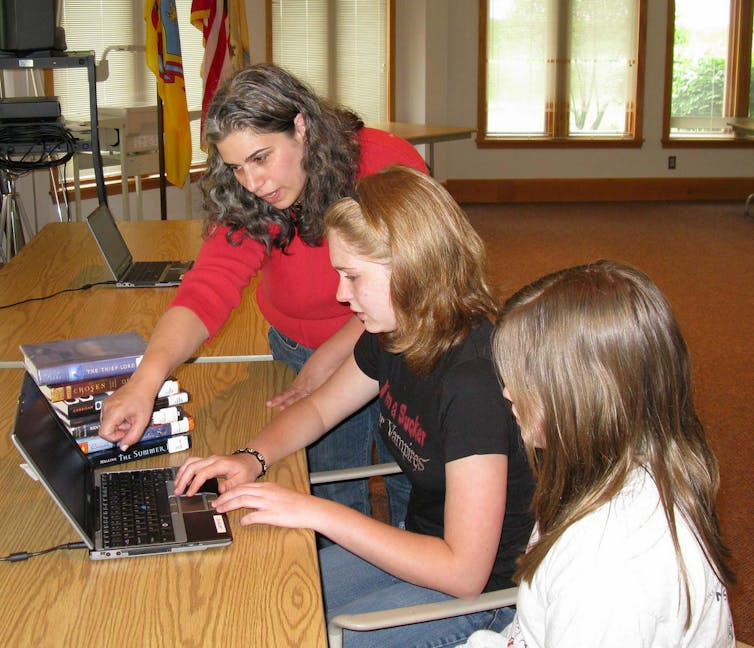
426,134
65,255
262,591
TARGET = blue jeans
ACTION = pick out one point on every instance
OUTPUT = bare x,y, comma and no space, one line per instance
350,584
347,445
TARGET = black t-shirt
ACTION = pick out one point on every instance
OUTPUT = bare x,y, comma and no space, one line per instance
456,411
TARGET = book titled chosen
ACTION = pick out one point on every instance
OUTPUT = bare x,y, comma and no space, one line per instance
84,388
76,359
141,450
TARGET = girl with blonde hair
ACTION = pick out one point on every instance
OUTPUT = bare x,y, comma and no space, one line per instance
412,269
278,156
626,549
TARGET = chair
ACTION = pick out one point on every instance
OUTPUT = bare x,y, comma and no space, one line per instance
393,617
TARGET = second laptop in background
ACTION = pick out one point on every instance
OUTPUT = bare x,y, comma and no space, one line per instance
127,272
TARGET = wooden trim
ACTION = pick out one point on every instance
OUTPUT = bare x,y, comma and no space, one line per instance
268,30
481,104
391,61
739,59
598,189
114,187
668,86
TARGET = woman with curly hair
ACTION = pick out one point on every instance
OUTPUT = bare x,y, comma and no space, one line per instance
278,157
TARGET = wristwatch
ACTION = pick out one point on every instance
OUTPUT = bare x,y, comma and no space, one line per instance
259,457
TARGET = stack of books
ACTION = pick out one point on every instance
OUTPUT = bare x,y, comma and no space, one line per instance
77,375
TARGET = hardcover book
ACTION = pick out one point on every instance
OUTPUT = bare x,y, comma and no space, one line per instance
72,390
80,408
76,359
77,408
92,444
55,393
141,450
85,428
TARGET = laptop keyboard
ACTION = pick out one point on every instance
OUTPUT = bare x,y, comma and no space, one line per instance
146,271
135,508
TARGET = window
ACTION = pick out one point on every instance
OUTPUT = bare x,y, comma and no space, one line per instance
339,47
560,71
100,24
710,49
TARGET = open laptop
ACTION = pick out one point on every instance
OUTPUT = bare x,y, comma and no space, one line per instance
161,523
127,272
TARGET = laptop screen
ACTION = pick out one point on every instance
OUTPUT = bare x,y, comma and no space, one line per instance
110,240
62,467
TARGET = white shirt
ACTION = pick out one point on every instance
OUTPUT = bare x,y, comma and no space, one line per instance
612,580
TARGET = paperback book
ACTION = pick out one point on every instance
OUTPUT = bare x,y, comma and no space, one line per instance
141,450
76,359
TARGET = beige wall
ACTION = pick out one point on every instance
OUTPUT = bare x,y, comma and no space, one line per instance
446,92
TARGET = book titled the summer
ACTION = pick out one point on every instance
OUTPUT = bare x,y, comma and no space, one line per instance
78,359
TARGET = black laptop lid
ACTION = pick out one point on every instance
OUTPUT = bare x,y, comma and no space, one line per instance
53,453
110,241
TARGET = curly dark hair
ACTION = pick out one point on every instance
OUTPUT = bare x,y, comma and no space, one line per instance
265,98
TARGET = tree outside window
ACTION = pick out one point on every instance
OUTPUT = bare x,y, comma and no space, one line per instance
710,50
560,70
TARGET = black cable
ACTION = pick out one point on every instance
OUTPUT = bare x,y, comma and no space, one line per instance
60,292
29,146
25,555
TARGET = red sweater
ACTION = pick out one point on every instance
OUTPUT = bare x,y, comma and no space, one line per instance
296,290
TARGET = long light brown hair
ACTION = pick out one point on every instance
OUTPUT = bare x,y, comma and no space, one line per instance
438,284
599,374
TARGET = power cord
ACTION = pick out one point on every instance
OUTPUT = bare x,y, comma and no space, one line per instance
25,555
60,292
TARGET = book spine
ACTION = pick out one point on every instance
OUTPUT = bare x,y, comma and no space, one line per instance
83,430
171,400
169,387
73,390
76,408
141,450
91,444
78,371
159,430
167,414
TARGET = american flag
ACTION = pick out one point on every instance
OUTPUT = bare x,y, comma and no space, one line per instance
223,26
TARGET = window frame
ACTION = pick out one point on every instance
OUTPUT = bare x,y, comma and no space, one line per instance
738,68
560,119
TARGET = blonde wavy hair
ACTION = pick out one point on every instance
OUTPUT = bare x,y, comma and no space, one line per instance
600,375
438,284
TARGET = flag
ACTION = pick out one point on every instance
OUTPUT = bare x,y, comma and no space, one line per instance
163,54
226,47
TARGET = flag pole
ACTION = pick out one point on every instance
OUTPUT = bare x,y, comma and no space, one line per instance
161,156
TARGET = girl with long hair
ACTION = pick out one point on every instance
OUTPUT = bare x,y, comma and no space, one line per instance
412,269
626,549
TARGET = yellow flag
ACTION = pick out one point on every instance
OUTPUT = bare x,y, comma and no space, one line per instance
163,54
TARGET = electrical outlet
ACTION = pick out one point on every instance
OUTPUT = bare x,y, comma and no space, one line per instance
671,161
